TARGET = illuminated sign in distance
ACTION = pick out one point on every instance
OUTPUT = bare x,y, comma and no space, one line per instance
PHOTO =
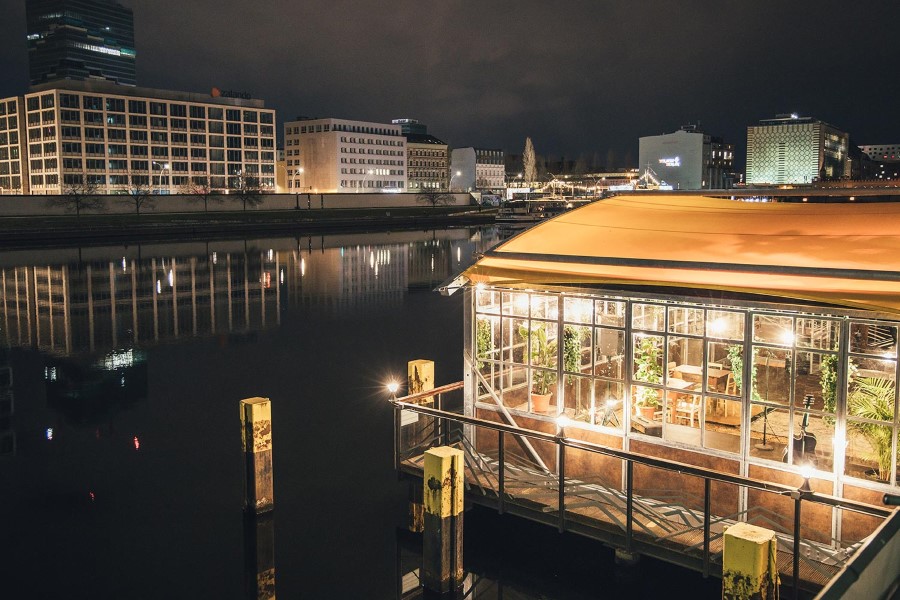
670,162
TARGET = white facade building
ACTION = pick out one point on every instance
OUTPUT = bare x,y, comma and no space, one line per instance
687,159
339,155
116,138
479,169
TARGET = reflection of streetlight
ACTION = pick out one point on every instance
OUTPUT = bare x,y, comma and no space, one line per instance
162,167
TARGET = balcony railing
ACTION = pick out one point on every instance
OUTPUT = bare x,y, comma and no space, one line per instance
670,524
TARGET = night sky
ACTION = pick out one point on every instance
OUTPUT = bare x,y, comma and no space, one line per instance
577,76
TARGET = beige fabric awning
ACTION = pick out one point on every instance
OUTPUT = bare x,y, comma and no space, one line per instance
843,254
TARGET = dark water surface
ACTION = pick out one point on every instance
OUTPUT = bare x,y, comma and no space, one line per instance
120,459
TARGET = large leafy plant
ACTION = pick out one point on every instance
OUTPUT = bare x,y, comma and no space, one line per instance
543,354
873,398
648,368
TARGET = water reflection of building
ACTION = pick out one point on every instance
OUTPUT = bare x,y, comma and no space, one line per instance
101,304
71,301
7,406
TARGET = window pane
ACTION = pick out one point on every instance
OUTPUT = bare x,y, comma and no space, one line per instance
487,301
544,307
725,324
683,417
577,310
772,376
818,333
646,411
576,349
722,424
685,360
648,357
867,338
609,399
515,304
724,367
610,313
578,399
686,321
609,353
769,432
773,329
871,389
869,451
514,343
648,316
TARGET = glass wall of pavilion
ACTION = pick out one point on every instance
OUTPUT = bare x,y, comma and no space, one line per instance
667,376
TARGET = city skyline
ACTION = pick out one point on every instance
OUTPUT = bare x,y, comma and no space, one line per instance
584,80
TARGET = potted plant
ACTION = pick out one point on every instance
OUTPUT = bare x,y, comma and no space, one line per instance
543,356
648,368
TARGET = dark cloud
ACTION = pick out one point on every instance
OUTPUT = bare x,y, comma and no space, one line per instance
577,76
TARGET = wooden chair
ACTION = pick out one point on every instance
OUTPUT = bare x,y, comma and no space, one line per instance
687,408
714,365
730,385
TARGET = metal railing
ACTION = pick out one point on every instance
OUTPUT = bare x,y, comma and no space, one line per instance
667,527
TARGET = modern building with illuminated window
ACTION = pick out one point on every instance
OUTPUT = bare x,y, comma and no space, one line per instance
340,156
80,40
885,160
687,159
731,339
427,158
791,149
118,138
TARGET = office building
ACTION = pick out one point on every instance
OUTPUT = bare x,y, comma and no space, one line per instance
885,160
80,40
427,158
116,139
339,156
687,159
791,149
12,156
477,169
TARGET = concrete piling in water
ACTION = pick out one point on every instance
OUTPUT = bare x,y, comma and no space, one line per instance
749,570
256,439
442,540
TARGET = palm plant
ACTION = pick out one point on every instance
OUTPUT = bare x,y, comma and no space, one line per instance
873,398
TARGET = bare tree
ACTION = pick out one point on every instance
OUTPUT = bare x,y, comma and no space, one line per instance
434,198
80,196
246,189
139,194
199,187
530,162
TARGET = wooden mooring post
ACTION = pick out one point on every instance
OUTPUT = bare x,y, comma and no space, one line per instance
749,571
442,541
256,439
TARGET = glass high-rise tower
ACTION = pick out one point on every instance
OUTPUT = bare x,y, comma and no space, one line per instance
80,39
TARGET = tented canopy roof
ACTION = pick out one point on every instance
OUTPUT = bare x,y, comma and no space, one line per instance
842,254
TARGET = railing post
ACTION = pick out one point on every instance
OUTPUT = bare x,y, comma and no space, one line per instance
561,468
706,519
501,475
629,503
397,428
798,498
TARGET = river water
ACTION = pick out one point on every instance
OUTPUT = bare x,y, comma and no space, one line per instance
121,369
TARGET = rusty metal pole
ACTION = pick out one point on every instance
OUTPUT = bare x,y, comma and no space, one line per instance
442,540
256,439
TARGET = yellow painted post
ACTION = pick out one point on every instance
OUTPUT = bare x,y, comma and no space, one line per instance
419,378
442,541
256,440
749,570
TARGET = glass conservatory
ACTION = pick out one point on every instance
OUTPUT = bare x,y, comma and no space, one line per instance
756,339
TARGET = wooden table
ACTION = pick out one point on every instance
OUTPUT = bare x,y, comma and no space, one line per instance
679,384
714,376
